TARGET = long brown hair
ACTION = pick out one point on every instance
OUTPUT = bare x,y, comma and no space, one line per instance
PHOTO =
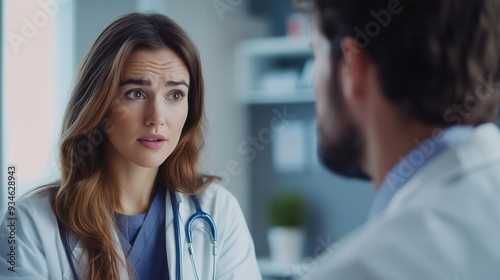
86,199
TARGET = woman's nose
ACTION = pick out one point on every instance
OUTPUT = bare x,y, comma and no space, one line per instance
154,114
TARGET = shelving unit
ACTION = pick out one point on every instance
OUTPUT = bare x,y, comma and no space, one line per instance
274,70
275,74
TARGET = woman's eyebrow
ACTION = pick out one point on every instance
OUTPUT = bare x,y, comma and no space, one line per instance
136,82
176,83
139,82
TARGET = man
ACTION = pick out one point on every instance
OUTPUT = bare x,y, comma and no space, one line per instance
406,93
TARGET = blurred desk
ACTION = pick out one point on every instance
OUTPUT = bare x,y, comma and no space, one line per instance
272,270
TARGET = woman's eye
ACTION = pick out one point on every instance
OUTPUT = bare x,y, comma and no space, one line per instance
176,96
134,94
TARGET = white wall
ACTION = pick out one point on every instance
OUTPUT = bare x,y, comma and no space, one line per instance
91,17
38,57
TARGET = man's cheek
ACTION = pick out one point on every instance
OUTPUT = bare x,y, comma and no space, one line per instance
320,86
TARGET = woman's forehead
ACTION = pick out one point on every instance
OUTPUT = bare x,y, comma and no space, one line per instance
161,62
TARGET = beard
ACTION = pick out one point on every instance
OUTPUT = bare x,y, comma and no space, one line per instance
343,154
340,141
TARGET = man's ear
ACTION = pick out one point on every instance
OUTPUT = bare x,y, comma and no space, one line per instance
353,68
350,47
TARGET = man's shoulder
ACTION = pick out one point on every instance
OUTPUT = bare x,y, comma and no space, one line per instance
468,171
416,243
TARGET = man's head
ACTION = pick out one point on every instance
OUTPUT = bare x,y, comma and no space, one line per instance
434,62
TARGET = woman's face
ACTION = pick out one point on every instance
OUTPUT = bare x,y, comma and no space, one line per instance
146,119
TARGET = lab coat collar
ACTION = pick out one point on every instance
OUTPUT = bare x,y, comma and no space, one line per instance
479,150
413,161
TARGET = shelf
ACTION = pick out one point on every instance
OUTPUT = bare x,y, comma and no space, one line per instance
282,66
293,96
276,46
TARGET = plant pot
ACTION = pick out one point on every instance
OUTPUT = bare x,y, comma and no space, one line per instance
286,244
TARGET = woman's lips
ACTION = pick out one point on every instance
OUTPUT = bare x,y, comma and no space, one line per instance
152,144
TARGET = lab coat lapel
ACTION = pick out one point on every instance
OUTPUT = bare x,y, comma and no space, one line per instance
80,259
170,237
184,213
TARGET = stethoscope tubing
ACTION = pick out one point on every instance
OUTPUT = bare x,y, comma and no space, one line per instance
199,214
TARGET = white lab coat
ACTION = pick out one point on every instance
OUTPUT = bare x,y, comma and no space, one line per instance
40,252
444,224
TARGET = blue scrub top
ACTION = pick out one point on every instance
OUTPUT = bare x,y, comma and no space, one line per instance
143,240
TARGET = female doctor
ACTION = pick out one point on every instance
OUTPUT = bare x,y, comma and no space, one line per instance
129,152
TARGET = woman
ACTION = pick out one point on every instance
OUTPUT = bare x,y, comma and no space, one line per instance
129,159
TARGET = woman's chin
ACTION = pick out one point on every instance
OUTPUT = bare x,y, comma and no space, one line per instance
150,163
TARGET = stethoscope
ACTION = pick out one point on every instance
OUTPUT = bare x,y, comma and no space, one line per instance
199,214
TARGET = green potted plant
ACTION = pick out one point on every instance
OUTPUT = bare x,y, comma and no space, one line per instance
286,215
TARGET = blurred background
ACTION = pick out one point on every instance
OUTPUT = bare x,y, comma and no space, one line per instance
261,131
